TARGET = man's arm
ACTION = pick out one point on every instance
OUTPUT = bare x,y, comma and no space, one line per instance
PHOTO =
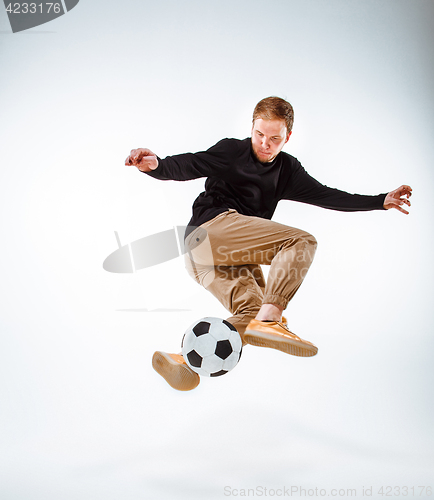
215,161
304,188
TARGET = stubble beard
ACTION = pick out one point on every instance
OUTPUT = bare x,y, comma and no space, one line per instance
263,159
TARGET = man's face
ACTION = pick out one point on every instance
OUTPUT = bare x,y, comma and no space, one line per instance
268,138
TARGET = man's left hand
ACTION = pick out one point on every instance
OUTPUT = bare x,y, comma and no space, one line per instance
397,198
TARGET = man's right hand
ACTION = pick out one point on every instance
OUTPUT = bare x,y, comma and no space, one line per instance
144,159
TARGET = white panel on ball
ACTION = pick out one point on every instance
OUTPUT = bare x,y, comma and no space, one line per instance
204,345
212,364
231,361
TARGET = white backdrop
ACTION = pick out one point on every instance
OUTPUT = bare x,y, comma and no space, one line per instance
83,415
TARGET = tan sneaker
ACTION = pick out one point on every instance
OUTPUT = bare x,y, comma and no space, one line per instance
277,336
176,372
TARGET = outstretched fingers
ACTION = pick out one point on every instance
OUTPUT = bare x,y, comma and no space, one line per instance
399,207
405,191
397,198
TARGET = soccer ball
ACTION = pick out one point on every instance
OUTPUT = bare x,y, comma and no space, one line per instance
211,347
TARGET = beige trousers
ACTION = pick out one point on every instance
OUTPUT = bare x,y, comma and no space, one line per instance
225,254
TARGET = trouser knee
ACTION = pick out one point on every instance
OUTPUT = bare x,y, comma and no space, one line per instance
310,242
303,248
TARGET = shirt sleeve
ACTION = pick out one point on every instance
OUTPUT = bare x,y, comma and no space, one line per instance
304,188
214,162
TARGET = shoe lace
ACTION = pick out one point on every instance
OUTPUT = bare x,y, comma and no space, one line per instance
285,327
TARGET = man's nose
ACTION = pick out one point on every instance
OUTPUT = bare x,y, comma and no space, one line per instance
265,143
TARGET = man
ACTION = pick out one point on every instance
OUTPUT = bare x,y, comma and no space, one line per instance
230,234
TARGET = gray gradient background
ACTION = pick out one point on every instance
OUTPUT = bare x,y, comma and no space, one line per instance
83,415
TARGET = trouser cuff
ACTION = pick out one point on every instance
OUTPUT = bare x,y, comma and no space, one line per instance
275,299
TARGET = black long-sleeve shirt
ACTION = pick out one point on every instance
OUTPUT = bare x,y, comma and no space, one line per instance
237,180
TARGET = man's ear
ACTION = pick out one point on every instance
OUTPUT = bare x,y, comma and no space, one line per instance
288,136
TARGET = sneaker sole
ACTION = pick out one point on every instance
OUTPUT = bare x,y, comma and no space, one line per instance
289,346
177,375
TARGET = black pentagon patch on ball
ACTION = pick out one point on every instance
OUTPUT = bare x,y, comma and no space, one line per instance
201,328
223,349
195,359
217,374
231,327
